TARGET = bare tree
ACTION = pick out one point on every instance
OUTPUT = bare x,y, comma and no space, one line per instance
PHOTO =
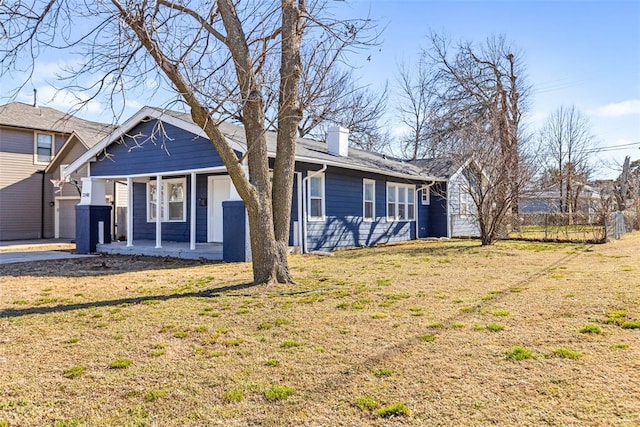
568,142
417,90
213,54
627,188
480,98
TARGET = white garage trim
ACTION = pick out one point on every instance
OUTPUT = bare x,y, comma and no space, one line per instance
56,209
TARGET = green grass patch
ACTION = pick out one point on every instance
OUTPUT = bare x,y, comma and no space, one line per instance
495,327
591,329
519,353
272,362
120,364
289,344
383,372
153,395
278,392
74,372
235,395
428,338
566,353
366,403
631,325
620,346
397,410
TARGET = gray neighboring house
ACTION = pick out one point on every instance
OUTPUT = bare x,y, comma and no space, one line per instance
461,210
36,143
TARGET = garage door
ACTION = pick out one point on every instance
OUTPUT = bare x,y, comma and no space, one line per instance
66,218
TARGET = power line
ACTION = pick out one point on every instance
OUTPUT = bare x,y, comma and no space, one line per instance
613,147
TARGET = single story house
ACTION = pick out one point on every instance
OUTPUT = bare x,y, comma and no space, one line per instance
454,187
36,143
177,187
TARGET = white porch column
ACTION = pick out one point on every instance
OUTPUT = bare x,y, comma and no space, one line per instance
93,192
129,212
192,226
159,197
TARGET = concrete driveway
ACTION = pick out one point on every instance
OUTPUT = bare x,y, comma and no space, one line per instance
15,251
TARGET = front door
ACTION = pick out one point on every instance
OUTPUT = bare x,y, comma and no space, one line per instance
219,191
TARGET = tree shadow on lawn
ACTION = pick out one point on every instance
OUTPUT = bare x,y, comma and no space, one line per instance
97,266
207,293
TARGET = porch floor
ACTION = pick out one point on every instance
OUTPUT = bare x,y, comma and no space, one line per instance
210,251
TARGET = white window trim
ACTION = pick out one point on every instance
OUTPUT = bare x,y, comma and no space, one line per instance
425,196
165,200
404,187
322,199
35,147
373,200
463,201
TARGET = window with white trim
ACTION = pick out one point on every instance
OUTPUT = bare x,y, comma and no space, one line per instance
368,199
464,201
43,148
401,202
173,204
316,198
426,196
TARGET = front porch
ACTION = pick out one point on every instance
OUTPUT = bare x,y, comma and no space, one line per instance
208,251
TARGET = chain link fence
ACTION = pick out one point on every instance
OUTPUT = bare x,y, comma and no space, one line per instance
575,227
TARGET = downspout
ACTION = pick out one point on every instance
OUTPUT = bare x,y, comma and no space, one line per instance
41,204
304,206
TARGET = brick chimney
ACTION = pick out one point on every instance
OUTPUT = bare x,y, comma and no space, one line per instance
338,141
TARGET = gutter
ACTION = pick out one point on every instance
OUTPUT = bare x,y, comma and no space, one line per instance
42,172
304,206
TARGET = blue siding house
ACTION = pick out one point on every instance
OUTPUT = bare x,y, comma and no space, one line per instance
178,188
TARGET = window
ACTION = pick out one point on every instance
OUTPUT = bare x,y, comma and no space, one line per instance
172,203
316,198
426,196
369,200
43,150
464,201
401,202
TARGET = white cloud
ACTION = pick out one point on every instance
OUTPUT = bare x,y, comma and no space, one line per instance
618,109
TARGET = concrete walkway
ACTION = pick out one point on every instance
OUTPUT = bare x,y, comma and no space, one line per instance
14,251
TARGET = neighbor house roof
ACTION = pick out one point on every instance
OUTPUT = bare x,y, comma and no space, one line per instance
20,115
440,167
307,150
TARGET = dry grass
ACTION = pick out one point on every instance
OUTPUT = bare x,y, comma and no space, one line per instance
346,346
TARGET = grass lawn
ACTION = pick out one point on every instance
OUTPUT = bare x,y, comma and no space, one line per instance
422,333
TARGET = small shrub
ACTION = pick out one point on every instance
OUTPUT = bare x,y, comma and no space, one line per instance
495,327
278,392
591,329
272,362
397,410
519,353
566,353
74,372
120,364
154,395
428,338
290,344
235,395
366,403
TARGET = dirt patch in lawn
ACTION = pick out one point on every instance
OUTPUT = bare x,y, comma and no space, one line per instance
422,333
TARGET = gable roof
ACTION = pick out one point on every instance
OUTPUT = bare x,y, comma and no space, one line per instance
25,116
307,150
440,167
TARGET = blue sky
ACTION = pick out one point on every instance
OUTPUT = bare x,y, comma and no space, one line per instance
582,53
